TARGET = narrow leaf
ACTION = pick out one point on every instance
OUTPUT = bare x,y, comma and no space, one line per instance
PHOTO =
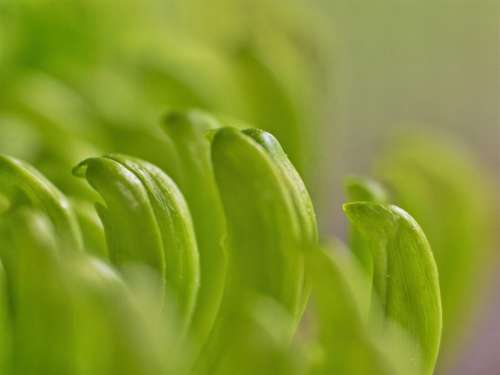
147,220
269,218
442,185
16,175
362,189
188,132
405,275
346,344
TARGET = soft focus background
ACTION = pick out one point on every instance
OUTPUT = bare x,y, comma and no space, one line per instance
396,68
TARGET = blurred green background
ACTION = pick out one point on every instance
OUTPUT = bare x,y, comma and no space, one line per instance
406,65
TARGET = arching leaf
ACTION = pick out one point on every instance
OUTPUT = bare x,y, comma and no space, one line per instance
16,175
362,189
405,277
146,220
270,220
188,132
445,189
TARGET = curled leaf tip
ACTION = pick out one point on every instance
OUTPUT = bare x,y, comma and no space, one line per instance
405,275
80,170
147,221
265,139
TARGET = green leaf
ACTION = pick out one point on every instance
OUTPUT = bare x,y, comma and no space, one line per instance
16,175
110,314
261,345
266,244
345,343
38,300
80,303
146,220
189,133
92,229
270,218
295,186
362,189
446,190
405,276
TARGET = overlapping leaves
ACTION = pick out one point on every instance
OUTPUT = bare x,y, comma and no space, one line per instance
231,253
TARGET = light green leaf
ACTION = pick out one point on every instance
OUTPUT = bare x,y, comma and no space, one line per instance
270,219
92,229
37,294
16,175
346,344
446,190
188,132
77,301
405,276
146,220
296,188
109,314
362,189
261,347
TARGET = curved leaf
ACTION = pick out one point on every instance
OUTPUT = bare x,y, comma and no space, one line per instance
296,187
347,345
269,218
405,276
38,296
188,132
92,229
362,189
17,175
445,189
146,220
77,301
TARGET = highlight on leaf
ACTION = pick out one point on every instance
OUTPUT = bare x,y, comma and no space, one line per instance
147,220
266,216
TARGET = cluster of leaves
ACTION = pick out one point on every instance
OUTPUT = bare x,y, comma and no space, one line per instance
199,253
211,274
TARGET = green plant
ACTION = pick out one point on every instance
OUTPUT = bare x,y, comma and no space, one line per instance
233,262
193,247
456,218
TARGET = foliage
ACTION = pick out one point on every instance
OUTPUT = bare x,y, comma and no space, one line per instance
248,318
193,247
